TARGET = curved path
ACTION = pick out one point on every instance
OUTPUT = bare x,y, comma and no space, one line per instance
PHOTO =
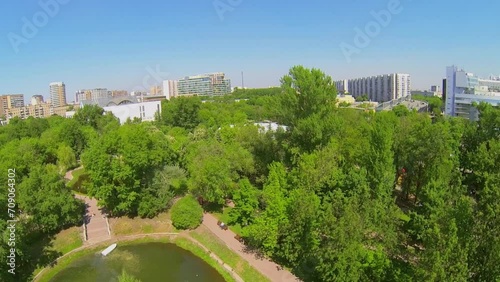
69,173
268,268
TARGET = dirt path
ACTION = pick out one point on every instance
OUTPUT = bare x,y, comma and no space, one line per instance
69,174
268,268
96,222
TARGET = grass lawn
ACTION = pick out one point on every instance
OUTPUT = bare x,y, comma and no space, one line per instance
129,226
63,263
224,217
65,241
68,240
79,176
215,245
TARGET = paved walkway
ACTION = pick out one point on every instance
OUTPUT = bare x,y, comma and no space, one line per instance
96,223
268,268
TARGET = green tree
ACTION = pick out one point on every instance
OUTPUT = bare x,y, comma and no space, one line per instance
89,115
305,92
268,227
362,98
121,165
66,159
246,200
157,196
401,110
181,112
487,222
338,256
44,196
186,213
298,238
306,105
215,168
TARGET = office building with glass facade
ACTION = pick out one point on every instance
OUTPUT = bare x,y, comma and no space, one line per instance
464,89
214,84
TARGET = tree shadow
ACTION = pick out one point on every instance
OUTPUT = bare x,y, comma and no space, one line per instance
213,207
39,255
249,249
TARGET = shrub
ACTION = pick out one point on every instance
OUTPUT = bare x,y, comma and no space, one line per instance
186,213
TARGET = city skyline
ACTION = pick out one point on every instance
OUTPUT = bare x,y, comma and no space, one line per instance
118,49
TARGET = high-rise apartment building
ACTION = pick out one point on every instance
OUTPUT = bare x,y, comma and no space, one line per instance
170,88
3,106
156,90
36,100
463,89
16,100
83,95
342,86
444,89
93,95
381,88
58,94
213,84
100,93
119,93
10,101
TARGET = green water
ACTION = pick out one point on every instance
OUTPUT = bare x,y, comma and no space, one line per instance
153,262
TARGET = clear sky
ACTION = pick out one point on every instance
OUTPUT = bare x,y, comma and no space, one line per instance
113,43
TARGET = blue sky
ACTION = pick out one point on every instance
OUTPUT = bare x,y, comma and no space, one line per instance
113,43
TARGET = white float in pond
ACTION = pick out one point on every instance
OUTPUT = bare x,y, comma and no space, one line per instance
108,250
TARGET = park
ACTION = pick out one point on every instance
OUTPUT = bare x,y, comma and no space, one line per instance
334,194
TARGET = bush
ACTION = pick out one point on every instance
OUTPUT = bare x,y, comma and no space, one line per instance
186,213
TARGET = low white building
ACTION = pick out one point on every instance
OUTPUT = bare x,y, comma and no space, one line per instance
70,114
145,111
269,126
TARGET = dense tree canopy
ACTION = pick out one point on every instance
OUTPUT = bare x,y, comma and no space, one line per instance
39,152
181,112
122,166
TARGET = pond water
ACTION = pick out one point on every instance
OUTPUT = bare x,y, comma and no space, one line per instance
148,262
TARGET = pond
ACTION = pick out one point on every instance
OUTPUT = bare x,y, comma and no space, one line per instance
147,262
